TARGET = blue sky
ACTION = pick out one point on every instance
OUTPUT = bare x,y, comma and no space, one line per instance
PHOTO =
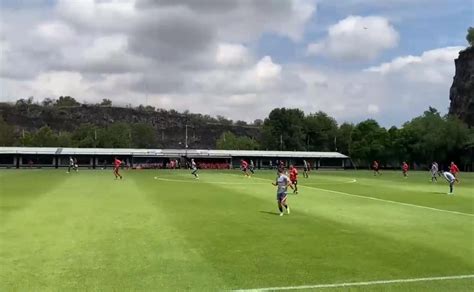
354,59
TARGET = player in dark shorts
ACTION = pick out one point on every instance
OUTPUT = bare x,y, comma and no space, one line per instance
376,168
244,166
252,167
194,169
294,178
117,164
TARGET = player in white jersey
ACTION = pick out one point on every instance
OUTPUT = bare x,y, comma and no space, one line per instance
305,169
282,183
434,171
451,179
194,168
72,164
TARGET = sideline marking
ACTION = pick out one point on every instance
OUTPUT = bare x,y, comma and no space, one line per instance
368,283
383,200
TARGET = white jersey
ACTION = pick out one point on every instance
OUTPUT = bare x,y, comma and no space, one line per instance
434,168
282,183
193,165
449,176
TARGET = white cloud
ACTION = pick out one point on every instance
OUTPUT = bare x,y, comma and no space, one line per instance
433,66
356,38
232,54
373,109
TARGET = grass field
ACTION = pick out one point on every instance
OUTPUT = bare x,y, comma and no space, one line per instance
86,231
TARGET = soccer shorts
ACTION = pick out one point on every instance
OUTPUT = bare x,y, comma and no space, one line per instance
281,197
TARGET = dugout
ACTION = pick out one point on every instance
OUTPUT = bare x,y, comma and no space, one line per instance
103,158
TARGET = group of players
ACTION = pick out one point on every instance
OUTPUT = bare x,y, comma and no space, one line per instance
451,175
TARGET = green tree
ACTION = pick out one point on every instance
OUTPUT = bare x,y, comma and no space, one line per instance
143,135
229,141
470,36
105,102
321,132
344,138
7,134
117,135
368,142
44,137
284,130
66,101
85,136
64,139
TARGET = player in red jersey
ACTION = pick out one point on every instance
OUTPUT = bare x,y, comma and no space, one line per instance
376,168
453,168
117,164
405,169
244,166
294,178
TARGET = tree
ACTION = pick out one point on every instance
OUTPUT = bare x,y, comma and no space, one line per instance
284,130
368,142
44,137
106,102
85,136
344,138
64,139
7,134
47,102
229,141
143,135
66,101
470,36
321,132
117,135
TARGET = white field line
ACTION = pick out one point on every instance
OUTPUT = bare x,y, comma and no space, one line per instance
369,283
193,180
383,200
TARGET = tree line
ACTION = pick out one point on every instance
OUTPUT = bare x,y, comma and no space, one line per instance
426,138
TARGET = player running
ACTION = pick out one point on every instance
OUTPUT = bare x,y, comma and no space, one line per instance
453,168
405,169
281,166
305,169
252,167
282,183
194,169
244,166
72,164
294,178
434,171
451,179
376,168
117,164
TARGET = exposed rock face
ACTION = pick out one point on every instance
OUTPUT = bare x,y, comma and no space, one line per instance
203,131
462,90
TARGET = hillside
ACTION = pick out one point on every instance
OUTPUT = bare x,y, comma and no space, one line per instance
203,131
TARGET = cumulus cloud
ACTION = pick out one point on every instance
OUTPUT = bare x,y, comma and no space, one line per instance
356,38
232,54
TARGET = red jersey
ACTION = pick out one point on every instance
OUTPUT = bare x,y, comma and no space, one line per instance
405,167
117,163
454,168
293,174
244,164
375,165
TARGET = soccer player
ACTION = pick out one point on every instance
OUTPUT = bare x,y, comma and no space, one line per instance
281,166
453,168
194,169
451,179
305,169
252,167
376,167
117,164
294,178
405,169
244,167
72,164
282,183
434,171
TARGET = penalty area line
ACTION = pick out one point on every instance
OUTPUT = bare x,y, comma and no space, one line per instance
353,284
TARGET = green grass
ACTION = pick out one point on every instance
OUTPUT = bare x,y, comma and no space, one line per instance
86,231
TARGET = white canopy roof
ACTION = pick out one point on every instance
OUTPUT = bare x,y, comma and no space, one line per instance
167,152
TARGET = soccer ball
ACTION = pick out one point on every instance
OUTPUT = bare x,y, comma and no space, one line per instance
156,177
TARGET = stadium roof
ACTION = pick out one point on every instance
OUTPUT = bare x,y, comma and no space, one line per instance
167,152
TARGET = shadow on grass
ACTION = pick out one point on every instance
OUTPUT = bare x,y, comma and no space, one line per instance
270,213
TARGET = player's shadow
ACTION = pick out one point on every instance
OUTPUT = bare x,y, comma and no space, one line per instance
270,213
